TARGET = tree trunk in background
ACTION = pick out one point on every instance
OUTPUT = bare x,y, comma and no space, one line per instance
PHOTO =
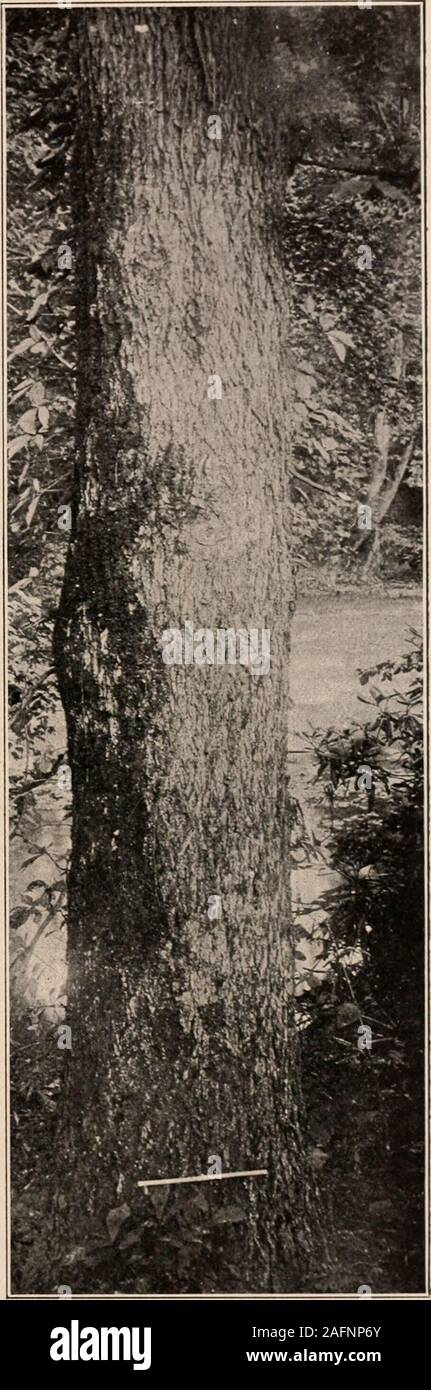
182,1037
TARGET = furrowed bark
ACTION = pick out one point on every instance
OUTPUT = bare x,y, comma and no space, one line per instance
182,1038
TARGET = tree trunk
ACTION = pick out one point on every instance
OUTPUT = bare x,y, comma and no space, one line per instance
182,1039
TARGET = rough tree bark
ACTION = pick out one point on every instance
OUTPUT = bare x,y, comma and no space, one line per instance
182,1041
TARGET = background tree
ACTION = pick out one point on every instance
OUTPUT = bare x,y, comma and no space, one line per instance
351,229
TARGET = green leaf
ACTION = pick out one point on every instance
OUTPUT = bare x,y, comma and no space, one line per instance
330,444
39,303
31,509
21,390
344,337
305,367
328,321
19,916
116,1218
17,444
23,473
350,188
37,393
338,346
41,348
21,347
28,422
